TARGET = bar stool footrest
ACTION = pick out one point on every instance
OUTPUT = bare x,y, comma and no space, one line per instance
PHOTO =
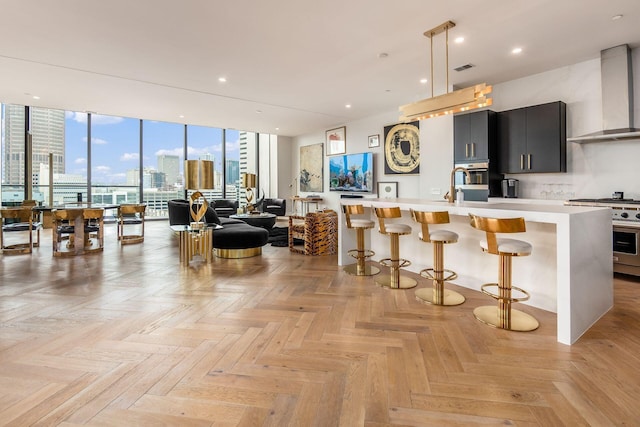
497,297
366,253
387,262
428,273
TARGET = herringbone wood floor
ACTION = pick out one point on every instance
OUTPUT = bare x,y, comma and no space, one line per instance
128,337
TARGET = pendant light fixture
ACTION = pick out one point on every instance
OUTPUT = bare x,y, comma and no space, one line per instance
451,102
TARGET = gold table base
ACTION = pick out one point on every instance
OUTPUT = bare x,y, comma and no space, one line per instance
430,296
519,321
401,282
357,270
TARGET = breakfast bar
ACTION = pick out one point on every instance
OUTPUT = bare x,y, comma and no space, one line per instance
569,272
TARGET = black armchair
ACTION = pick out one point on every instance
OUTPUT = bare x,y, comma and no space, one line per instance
275,206
225,207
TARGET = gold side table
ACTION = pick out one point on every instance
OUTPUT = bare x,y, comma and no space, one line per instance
195,241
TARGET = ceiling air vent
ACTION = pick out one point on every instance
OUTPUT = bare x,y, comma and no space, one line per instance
464,67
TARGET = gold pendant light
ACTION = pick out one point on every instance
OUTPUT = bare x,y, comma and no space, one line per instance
451,102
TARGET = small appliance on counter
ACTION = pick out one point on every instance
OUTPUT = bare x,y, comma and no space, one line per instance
510,188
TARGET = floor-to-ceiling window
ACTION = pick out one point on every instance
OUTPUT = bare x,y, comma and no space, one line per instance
205,143
115,158
112,162
163,148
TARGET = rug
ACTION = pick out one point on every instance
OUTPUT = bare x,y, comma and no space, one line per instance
279,236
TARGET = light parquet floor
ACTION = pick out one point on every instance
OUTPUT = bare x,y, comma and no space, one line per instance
129,337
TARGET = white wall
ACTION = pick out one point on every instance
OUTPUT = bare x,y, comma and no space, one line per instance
593,170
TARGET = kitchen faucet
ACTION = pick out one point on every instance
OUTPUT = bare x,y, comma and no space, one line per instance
451,195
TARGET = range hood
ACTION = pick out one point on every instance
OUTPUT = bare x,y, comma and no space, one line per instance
617,98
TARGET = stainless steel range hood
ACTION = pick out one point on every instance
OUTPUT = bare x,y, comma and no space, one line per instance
617,98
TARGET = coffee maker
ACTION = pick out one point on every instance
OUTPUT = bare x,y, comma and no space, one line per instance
510,188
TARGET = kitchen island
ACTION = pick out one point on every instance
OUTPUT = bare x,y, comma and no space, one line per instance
569,272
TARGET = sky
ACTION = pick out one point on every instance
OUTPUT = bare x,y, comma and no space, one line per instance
115,145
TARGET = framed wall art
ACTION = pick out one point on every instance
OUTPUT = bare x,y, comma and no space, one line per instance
336,140
388,190
311,168
374,141
402,148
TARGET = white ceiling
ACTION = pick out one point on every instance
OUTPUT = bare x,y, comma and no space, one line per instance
298,62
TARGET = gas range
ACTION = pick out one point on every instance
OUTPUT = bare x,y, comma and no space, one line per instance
623,211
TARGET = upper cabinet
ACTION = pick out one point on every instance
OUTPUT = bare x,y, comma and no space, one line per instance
474,136
533,139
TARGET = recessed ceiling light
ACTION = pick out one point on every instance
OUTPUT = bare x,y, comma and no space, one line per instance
423,81
516,50
181,116
259,111
222,79
347,106
387,90
616,17
277,128
383,55
36,97
459,39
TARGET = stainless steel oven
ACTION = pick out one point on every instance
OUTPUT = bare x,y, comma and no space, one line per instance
477,187
626,258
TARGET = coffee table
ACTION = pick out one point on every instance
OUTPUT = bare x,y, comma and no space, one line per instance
264,220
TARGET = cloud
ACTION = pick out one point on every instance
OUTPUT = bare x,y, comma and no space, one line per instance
96,119
102,169
80,161
233,145
127,157
171,152
96,141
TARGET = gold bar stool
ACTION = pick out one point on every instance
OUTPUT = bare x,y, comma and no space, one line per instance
360,268
437,295
394,231
503,316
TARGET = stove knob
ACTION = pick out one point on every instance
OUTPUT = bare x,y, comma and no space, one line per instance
624,215
638,215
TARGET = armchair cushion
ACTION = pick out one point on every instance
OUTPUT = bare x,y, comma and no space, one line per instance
225,207
275,206
179,213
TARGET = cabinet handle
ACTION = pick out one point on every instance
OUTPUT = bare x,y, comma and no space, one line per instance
466,150
529,161
473,149
521,161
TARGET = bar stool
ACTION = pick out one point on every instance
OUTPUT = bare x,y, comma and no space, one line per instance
437,295
503,316
131,214
394,231
360,254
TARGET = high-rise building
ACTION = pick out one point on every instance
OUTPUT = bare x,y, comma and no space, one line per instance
47,136
232,172
170,165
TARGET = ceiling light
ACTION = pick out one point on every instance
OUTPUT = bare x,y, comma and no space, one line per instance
423,81
277,128
36,97
516,50
181,116
459,39
347,106
616,17
222,79
451,102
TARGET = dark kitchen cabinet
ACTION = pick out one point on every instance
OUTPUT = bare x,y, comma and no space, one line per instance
474,136
533,139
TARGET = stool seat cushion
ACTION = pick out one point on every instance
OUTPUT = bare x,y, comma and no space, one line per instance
441,236
362,223
398,228
510,246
